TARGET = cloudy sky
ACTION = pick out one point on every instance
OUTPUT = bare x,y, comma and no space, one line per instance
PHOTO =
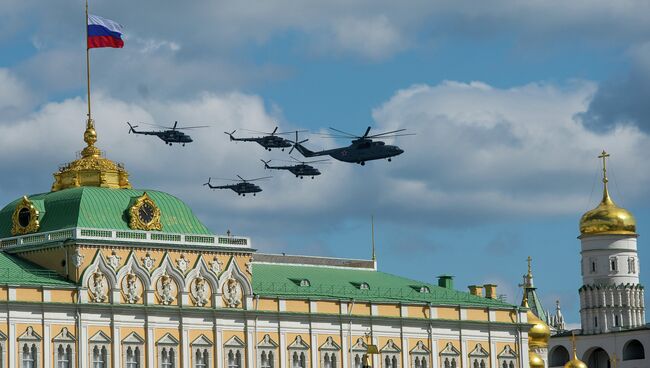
510,101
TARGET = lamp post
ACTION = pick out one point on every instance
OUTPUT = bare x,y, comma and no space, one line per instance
372,350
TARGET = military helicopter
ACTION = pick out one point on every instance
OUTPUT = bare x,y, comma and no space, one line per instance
300,170
242,188
170,135
268,141
362,149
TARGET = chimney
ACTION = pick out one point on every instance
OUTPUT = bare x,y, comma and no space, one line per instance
446,281
476,290
490,291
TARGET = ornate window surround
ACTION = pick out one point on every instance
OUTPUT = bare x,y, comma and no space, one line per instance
359,349
132,341
331,349
301,350
66,340
269,347
32,340
479,357
452,354
390,351
508,356
99,340
234,345
170,343
420,351
201,345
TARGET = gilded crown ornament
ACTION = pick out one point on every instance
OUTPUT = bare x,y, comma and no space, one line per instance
25,218
91,170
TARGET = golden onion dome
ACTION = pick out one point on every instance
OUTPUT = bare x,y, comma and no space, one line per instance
535,361
539,334
607,217
575,363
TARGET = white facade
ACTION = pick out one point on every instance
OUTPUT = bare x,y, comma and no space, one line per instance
611,298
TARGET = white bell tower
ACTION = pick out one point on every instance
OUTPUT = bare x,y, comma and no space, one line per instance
611,298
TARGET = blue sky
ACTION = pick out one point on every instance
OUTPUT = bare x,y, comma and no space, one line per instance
511,104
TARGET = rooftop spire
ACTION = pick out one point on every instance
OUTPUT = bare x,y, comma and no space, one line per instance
606,198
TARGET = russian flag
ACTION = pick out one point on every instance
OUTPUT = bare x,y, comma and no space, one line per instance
104,33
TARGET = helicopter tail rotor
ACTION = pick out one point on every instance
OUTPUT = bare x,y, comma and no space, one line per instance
266,163
297,142
208,183
131,127
231,134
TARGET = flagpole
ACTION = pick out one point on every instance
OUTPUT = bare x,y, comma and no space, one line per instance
88,64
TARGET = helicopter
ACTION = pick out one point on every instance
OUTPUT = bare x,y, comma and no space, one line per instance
362,149
170,135
242,188
300,170
268,141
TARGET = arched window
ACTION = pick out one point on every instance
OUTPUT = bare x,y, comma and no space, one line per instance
167,351
233,352
558,356
29,356
329,352
132,357
298,351
99,356
201,349
266,352
632,350
64,356
29,344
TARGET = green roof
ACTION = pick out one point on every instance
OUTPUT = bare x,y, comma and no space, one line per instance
344,283
17,271
102,208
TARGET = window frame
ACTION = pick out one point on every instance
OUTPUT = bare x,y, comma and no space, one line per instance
300,347
66,340
133,340
32,341
168,343
393,353
204,346
235,345
422,352
330,348
452,353
267,346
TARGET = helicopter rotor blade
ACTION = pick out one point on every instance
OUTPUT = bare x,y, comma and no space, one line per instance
256,179
391,132
208,183
193,127
241,178
366,133
274,130
391,136
175,124
346,133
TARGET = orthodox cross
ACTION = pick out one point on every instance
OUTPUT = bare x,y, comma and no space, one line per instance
604,156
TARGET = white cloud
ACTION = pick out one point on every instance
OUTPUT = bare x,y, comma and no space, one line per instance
481,155
14,95
374,38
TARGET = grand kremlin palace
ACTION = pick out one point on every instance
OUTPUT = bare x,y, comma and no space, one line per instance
96,274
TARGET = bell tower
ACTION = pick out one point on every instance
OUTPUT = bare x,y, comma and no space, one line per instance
611,297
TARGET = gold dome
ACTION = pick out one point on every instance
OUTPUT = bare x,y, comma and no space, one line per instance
91,169
540,333
575,363
607,217
535,361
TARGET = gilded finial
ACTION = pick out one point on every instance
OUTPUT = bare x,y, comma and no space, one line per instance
573,344
606,198
90,137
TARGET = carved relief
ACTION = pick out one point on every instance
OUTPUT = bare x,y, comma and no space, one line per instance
166,288
114,260
77,258
215,265
232,293
131,288
98,286
200,291
182,263
148,262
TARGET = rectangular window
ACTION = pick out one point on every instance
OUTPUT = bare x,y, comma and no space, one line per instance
132,357
595,321
167,358
99,357
631,265
613,266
